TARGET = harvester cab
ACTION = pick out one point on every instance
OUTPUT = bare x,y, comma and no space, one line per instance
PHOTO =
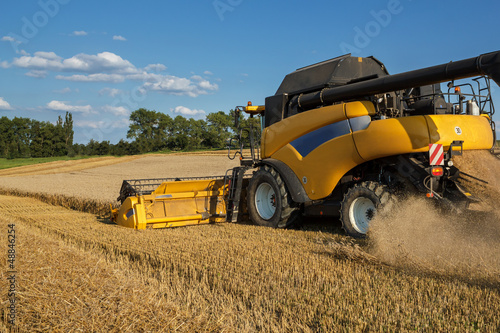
339,138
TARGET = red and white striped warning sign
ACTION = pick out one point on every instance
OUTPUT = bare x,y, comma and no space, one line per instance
436,154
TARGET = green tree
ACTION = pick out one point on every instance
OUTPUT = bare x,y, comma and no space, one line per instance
179,138
103,148
165,126
5,129
79,149
68,133
59,147
20,140
195,132
150,129
92,148
36,139
48,137
218,129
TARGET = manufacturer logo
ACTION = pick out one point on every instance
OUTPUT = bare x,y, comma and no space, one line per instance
458,130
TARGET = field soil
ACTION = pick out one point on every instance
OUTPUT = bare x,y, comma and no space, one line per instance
421,269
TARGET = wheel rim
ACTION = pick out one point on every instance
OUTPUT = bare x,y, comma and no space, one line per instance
265,201
361,213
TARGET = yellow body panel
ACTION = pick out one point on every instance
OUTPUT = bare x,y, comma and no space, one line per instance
475,131
392,136
321,165
321,169
255,109
276,136
358,109
174,204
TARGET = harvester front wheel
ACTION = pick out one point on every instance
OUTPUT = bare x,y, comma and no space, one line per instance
269,203
360,205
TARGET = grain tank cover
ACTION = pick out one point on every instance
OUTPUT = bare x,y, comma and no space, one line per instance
331,73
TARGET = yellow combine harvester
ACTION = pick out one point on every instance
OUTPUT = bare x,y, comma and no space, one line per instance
339,138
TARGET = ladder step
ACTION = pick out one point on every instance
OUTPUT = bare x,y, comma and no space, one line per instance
234,194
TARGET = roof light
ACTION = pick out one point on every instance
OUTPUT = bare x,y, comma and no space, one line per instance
249,103
458,90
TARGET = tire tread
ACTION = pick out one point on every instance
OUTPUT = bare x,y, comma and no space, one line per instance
384,202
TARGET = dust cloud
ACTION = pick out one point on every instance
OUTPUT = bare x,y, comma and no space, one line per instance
417,236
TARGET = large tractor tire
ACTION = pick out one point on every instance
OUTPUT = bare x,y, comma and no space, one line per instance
360,205
269,203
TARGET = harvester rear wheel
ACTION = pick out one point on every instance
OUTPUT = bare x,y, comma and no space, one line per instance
269,203
360,205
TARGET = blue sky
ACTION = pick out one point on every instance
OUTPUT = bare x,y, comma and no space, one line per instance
101,60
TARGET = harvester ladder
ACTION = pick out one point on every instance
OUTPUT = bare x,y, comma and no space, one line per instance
234,194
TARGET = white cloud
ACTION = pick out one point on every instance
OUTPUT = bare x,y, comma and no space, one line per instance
37,74
4,105
121,38
116,110
89,123
86,109
167,84
15,43
80,33
170,84
8,39
145,76
109,67
204,84
41,61
63,106
110,92
174,85
106,62
208,73
66,90
48,55
100,124
155,67
187,112
115,78
4,64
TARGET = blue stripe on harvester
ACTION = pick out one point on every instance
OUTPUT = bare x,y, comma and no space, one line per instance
360,123
310,141
130,213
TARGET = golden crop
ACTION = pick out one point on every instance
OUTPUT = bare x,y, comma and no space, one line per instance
77,272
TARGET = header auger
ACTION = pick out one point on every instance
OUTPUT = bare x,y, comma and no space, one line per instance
339,138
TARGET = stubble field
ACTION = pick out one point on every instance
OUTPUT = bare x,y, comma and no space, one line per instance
420,270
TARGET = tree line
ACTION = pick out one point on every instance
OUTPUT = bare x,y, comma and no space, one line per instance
149,131
25,137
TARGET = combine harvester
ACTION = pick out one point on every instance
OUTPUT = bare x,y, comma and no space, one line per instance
341,137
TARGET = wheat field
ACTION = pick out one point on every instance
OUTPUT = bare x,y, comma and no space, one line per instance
79,273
